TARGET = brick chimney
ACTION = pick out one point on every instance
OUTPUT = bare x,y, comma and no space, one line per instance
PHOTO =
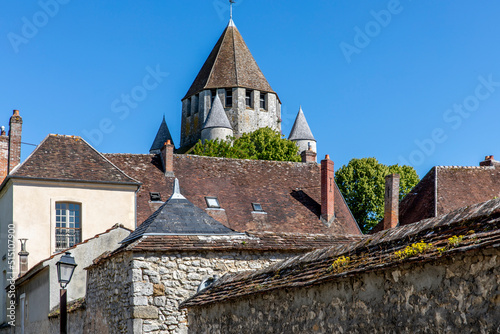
4,155
327,189
308,155
391,208
167,154
489,160
16,127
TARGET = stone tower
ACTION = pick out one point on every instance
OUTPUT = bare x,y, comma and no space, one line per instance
301,134
232,73
217,125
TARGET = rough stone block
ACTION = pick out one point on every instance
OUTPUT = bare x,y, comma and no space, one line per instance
145,312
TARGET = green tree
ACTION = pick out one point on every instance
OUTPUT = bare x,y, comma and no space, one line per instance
262,144
362,183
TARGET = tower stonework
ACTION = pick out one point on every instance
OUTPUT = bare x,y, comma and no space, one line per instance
232,73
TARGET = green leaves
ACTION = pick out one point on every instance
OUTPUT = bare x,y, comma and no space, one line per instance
262,144
362,183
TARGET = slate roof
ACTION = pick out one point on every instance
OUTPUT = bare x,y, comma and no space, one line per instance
230,64
70,158
300,129
446,188
178,216
162,136
478,224
217,117
289,192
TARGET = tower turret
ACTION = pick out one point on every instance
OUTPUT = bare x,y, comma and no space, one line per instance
162,136
301,134
217,125
231,73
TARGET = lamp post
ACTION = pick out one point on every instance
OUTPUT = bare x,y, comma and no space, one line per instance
65,268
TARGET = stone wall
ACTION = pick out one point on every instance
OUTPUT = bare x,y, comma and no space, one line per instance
459,294
145,291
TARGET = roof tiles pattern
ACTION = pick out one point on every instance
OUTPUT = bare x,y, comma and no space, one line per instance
479,226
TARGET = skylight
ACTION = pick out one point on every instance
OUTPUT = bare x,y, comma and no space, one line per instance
257,207
154,197
212,202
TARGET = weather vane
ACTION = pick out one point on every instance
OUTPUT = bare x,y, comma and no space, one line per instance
231,8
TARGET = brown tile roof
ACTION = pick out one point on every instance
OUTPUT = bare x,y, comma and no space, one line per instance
446,188
289,192
230,64
70,158
250,241
478,225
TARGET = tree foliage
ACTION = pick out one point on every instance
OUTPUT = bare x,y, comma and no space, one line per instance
262,144
362,183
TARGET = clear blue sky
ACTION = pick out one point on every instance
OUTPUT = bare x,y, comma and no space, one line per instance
402,81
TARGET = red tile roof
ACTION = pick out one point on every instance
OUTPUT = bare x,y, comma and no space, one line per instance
70,158
288,192
477,225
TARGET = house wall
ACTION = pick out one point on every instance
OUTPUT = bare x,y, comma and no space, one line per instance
42,290
102,207
459,294
145,290
5,273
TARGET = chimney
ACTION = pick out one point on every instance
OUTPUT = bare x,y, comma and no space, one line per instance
23,258
391,209
16,127
308,155
327,190
167,154
4,155
489,160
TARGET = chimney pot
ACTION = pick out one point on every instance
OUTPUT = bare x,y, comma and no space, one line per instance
327,189
23,258
391,207
15,112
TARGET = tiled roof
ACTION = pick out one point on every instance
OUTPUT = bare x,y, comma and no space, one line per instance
478,225
70,158
230,64
161,138
250,241
300,129
289,192
446,188
179,216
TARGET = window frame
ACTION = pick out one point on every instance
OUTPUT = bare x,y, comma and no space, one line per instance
262,101
248,98
70,239
210,206
229,97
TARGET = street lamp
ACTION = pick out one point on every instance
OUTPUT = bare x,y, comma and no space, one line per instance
65,268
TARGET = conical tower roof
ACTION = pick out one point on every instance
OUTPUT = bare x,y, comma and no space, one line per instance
300,129
217,117
161,138
230,64
178,216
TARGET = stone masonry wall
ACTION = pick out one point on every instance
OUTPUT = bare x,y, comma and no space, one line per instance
109,295
459,294
162,281
140,293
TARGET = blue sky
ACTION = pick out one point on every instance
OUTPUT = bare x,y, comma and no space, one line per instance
415,82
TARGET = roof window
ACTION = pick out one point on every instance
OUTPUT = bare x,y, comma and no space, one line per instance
155,197
212,202
257,207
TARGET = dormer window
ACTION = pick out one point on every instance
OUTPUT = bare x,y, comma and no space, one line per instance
155,197
248,98
212,202
262,101
229,97
257,207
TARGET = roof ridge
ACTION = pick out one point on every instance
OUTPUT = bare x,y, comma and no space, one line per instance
112,164
465,167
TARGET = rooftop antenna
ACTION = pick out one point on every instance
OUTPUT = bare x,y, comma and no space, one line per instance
231,8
